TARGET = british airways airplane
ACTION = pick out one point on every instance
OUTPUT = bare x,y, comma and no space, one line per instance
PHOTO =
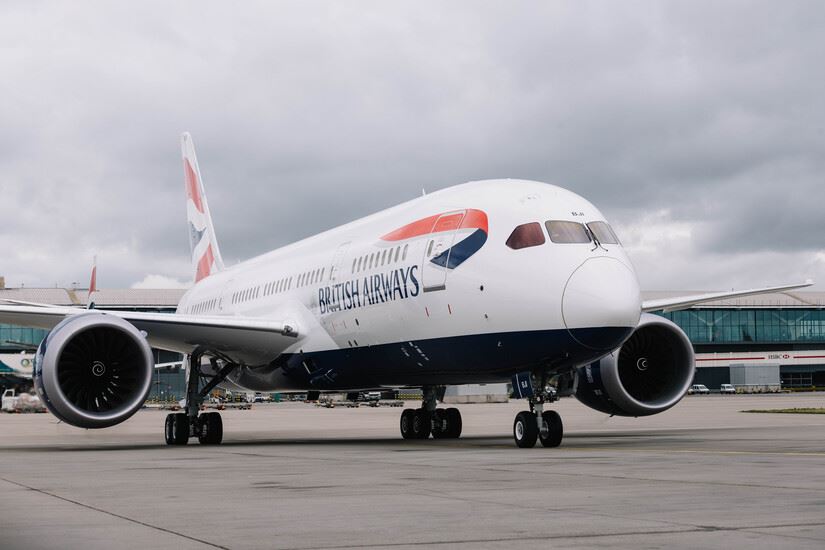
489,281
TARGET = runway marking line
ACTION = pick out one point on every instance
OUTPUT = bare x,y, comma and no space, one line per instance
701,451
113,514
686,530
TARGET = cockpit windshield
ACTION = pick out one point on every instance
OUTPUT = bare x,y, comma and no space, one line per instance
603,232
567,232
526,235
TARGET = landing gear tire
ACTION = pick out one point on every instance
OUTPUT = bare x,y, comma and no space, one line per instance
211,428
440,424
446,423
177,429
454,424
525,429
407,424
421,424
553,430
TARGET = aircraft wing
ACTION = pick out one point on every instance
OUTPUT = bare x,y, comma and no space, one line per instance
168,365
249,337
683,302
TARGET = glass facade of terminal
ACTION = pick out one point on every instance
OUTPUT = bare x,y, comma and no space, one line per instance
740,326
755,329
20,338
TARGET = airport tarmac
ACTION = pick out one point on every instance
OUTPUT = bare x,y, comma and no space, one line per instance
702,475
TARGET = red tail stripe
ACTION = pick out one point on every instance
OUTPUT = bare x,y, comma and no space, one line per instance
93,282
476,219
205,264
192,187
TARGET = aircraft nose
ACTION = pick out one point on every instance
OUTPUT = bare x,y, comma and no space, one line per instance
601,304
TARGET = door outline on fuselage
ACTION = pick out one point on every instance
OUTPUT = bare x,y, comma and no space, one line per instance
441,238
338,260
225,300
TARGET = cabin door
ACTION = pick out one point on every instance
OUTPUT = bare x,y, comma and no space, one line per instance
338,262
437,250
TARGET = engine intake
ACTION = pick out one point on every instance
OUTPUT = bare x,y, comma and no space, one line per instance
93,370
647,375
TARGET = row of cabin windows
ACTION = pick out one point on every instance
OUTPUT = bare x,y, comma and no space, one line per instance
368,261
246,295
565,232
311,277
376,259
206,305
281,285
276,287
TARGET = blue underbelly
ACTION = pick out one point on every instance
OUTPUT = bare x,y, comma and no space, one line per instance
476,358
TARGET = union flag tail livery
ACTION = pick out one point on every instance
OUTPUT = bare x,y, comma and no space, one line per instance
206,256
90,301
489,281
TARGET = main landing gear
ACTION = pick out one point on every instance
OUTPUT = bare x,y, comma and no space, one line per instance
420,423
207,427
538,424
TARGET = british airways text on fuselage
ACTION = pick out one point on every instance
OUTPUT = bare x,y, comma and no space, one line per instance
396,284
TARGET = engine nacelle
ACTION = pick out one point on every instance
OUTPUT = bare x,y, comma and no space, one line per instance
93,370
648,374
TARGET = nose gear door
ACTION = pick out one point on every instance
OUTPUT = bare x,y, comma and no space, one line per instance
434,268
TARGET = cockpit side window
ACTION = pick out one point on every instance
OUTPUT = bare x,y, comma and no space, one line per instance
567,232
603,232
526,235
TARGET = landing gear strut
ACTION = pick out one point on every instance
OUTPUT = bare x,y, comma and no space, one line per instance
441,423
208,427
538,424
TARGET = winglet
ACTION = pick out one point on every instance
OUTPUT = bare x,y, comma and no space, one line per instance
206,256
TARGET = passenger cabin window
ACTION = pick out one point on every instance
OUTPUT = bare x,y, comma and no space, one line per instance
567,232
603,232
526,235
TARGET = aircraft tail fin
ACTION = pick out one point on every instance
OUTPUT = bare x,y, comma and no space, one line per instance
90,301
206,256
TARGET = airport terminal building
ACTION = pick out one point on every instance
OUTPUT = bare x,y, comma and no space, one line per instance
783,332
779,335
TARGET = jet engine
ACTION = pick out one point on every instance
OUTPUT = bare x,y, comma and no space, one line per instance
93,370
647,375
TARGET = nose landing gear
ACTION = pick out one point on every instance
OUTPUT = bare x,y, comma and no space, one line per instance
537,424
533,425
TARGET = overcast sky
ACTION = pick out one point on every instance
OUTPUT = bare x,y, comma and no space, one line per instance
698,128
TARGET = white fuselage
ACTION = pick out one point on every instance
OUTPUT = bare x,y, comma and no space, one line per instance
388,279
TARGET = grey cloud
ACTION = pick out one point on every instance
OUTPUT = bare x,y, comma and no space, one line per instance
309,114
